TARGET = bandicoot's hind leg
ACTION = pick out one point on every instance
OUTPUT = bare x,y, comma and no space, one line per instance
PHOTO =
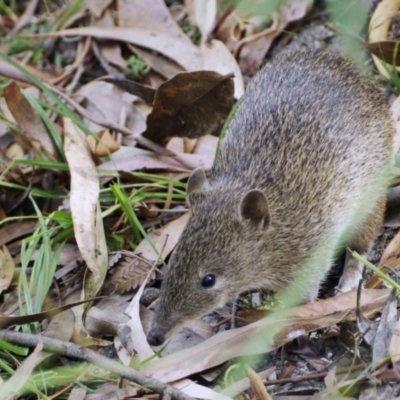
361,243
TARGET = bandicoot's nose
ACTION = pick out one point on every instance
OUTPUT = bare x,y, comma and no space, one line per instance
154,338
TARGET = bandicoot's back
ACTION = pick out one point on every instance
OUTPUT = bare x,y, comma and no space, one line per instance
303,170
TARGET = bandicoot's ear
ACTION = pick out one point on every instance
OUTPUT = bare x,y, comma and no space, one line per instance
197,181
254,208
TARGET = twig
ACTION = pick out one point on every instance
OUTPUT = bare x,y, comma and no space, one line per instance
74,351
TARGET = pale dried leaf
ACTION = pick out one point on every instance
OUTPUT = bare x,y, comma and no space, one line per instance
150,14
386,326
110,51
61,326
185,54
203,14
199,391
176,145
218,58
107,102
77,393
96,7
105,321
259,337
135,339
206,146
143,162
7,267
166,238
231,30
84,191
10,389
394,346
86,216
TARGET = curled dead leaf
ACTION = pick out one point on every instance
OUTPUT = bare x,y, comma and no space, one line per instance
102,144
191,104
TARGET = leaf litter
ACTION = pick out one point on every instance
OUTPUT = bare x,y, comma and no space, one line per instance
107,160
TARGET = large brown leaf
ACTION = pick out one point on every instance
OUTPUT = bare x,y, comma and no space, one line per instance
28,119
191,104
388,51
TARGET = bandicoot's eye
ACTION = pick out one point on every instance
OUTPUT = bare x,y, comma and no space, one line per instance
208,281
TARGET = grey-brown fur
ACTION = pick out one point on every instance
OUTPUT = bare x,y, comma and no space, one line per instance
312,139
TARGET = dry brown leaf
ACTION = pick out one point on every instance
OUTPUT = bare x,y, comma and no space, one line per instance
130,272
102,144
7,267
387,51
191,104
262,336
16,230
146,93
177,49
164,239
28,119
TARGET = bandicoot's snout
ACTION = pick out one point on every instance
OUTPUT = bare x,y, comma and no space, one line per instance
155,337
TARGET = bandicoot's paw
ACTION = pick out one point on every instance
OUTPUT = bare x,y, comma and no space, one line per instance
350,279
